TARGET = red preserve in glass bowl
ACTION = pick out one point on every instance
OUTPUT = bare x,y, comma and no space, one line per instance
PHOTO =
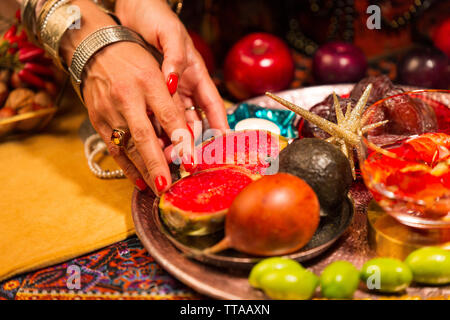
406,162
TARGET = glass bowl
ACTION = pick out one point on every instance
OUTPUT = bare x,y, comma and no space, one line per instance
405,161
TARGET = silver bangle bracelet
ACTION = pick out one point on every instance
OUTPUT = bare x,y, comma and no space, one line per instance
94,43
55,6
28,16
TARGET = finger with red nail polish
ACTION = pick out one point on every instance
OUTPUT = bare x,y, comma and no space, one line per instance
172,83
192,132
188,163
140,184
160,183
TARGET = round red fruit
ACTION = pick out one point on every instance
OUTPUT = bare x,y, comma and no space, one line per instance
257,63
339,62
441,36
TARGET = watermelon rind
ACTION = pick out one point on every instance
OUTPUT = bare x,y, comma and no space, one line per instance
191,223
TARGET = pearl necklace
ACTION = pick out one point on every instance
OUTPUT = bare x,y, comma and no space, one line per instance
93,146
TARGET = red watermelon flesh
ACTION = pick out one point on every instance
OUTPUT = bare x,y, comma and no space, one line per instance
197,204
251,149
208,191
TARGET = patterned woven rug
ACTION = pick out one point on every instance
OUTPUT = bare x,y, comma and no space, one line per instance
121,271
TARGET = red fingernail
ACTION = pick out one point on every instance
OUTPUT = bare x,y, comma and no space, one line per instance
192,132
172,83
160,183
140,183
189,165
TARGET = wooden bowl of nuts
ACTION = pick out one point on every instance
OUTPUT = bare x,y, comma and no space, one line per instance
28,86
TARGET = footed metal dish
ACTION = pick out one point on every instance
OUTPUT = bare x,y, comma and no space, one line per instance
225,275
332,225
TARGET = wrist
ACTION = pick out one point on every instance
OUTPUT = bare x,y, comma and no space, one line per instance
92,19
95,43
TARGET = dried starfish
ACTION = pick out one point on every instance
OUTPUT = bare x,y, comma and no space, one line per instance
346,134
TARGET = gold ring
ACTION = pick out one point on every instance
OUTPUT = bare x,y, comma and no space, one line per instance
119,137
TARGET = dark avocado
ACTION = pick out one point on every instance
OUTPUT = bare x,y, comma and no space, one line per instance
322,165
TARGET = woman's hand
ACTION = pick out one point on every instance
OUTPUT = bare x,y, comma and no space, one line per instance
122,84
155,21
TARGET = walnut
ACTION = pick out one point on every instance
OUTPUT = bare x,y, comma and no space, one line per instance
43,99
20,98
5,75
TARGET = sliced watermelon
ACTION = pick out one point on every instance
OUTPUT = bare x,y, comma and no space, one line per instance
197,204
254,150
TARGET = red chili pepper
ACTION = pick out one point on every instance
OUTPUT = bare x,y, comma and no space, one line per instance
30,54
24,44
31,45
31,78
11,39
20,41
38,69
22,36
11,32
18,15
